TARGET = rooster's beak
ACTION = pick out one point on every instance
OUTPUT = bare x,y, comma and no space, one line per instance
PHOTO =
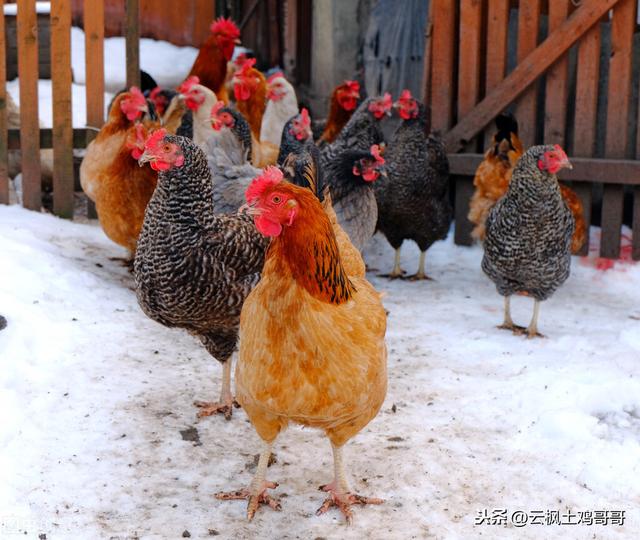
250,208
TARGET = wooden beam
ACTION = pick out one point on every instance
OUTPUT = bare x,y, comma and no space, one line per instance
528,29
62,119
555,108
606,171
4,155
94,63
290,42
426,59
29,122
618,102
527,71
132,36
442,81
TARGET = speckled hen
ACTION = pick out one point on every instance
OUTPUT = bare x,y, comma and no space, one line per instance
353,198
527,248
193,268
413,202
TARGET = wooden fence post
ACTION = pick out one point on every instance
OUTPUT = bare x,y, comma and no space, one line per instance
29,120
4,135
132,33
63,184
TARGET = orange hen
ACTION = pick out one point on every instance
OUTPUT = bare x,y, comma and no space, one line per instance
494,174
344,100
210,65
110,174
312,347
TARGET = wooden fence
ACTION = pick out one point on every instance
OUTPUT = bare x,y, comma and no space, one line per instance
468,82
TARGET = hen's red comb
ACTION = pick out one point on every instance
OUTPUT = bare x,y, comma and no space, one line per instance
155,139
188,83
245,67
133,104
226,27
352,86
376,153
276,75
270,177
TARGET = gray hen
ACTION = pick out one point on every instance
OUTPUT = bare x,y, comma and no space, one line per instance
353,198
193,268
413,202
527,248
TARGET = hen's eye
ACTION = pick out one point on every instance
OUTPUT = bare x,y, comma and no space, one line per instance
166,148
276,199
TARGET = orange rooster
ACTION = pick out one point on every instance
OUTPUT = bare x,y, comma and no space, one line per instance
110,174
312,347
211,63
494,174
344,100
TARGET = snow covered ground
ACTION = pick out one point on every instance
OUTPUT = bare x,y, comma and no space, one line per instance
98,437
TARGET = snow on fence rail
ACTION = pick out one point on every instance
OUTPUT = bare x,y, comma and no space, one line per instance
486,57
62,138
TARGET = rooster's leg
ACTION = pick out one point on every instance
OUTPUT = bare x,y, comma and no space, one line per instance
226,403
340,494
532,330
256,493
421,273
508,322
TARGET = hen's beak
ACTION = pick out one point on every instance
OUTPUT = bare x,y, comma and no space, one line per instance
250,208
144,158
567,164
237,41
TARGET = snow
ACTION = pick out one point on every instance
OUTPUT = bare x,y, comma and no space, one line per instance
41,7
94,396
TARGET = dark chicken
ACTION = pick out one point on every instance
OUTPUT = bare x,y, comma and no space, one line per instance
413,203
193,268
352,190
527,248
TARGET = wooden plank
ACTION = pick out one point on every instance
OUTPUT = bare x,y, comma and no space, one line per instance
62,120
4,167
29,123
80,136
618,103
555,110
442,82
273,21
463,228
94,63
527,71
290,32
528,29
132,36
584,135
606,171
426,59
469,58
496,63
635,239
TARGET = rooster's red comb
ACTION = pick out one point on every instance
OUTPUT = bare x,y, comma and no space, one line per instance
270,177
226,27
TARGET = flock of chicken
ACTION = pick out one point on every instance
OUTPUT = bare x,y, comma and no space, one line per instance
245,219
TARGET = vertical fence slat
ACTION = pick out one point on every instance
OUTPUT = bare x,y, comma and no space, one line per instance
635,249
29,123
62,121
443,44
132,33
470,33
556,94
497,34
4,171
528,25
584,135
94,64
619,94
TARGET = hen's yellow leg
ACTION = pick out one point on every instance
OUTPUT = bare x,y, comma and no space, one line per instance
226,403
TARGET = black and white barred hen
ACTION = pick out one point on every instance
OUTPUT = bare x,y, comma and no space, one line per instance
353,198
193,268
527,248
413,202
